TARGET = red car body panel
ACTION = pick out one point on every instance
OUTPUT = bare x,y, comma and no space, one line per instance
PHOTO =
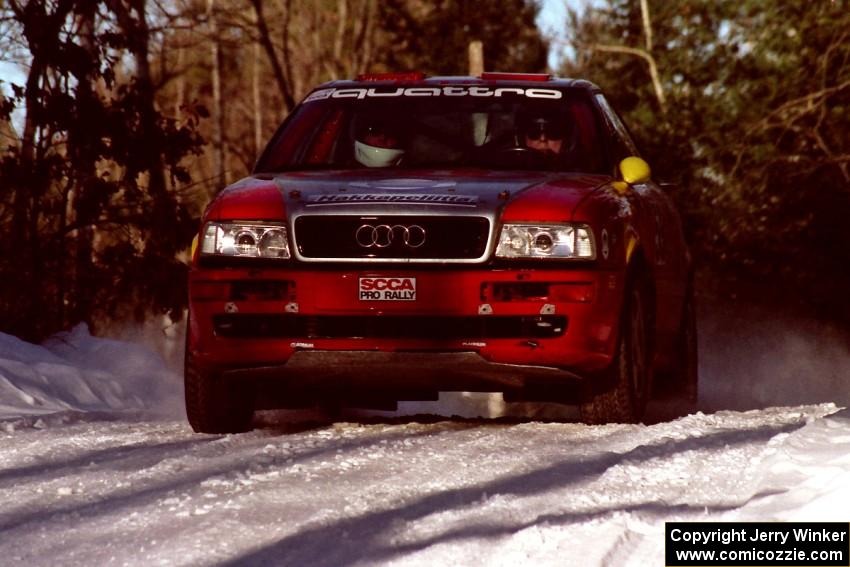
553,201
251,199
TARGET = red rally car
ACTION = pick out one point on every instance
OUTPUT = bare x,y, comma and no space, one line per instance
403,235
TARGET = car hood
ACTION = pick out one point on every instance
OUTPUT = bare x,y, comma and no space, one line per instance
537,195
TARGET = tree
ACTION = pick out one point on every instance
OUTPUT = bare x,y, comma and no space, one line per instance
96,177
433,36
757,110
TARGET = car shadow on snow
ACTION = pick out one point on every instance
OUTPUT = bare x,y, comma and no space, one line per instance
143,455
367,538
206,457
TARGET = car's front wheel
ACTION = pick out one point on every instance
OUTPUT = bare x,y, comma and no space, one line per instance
629,374
213,403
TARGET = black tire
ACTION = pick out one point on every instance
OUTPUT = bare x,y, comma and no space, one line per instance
629,374
686,372
214,404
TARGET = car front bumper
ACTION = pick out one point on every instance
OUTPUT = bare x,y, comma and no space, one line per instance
245,320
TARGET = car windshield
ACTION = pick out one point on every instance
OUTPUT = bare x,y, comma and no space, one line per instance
439,127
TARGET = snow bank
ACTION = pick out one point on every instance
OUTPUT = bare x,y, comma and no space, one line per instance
73,371
815,461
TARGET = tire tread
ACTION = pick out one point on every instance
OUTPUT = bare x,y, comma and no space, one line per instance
212,404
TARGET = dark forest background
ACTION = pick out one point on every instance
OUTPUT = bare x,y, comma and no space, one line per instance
134,113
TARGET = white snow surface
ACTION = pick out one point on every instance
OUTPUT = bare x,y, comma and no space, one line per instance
98,466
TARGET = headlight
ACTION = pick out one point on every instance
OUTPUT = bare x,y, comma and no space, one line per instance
546,241
244,239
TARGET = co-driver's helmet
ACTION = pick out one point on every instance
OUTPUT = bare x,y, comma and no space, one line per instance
536,124
378,144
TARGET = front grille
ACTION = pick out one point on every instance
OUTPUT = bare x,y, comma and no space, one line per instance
395,237
388,327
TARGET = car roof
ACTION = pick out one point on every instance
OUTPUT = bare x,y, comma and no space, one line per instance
487,79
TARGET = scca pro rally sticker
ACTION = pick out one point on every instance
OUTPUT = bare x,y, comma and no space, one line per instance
387,289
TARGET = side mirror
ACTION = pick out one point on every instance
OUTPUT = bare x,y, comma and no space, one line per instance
634,170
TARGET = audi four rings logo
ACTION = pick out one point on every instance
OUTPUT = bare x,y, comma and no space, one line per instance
383,235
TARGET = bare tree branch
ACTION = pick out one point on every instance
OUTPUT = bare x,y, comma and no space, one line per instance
365,37
265,40
342,24
647,26
650,61
796,108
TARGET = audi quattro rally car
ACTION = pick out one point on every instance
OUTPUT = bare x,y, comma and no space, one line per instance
403,235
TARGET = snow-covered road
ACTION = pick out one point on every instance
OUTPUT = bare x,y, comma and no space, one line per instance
89,475
461,492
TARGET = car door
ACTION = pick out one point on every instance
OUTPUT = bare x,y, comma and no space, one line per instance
659,227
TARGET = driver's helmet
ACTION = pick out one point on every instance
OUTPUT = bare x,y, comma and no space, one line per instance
378,144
